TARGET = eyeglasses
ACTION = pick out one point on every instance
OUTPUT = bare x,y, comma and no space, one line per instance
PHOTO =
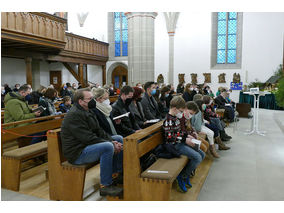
88,99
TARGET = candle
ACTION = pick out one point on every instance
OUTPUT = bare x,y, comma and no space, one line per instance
246,76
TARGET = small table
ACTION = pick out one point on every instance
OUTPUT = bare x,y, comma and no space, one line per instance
255,128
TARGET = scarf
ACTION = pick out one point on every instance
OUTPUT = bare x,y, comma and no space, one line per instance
105,109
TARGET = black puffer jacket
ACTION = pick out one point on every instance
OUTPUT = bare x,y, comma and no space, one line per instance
79,129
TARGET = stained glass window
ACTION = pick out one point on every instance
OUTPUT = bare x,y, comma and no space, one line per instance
227,38
120,34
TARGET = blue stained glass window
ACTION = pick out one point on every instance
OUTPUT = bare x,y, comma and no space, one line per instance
227,38
120,34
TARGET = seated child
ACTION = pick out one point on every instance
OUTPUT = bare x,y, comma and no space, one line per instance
176,135
66,105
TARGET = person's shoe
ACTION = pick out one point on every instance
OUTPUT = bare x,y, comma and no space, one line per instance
213,151
192,174
227,136
111,190
187,182
222,146
181,184
118,179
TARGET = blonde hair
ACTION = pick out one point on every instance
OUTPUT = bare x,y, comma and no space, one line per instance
98,92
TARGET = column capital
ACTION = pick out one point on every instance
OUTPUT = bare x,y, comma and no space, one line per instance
141,14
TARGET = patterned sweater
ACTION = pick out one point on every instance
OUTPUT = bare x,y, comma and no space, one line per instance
174,130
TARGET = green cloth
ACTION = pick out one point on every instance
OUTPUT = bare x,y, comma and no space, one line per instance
267,102
16,109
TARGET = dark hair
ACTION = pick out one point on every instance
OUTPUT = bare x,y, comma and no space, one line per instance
137,92
199,103
68,84
66,98
126,90
49,93
206,99
79,94
223,89
177,102
148,85
191,105
197,97
164,90
24,87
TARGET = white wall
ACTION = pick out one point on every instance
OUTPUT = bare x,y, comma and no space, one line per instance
13,71
95,74
262,49
95,25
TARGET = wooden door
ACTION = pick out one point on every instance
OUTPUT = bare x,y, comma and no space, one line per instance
55,79
119,76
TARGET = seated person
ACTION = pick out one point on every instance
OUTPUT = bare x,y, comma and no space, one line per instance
211,126
149,104
136,107
16,108
66,105
187,93
176,136
47,101
103,110
84,142
165,92
16,88
199,126
222,103
128,125
36,95
214,118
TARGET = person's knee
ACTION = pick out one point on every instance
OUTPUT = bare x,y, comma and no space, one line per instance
108,147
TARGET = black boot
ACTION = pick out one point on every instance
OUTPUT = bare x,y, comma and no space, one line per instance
223,137
111,190
227,136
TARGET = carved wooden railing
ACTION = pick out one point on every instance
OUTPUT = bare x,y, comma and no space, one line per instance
34,28
85,45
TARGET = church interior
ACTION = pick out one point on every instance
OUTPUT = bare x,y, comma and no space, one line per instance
208,53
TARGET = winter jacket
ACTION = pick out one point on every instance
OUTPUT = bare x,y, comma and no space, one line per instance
79,129
128,124
150,107
138,113
16,108
197,121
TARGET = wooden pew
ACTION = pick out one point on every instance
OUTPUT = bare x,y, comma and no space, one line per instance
12,160
141,186
113,99
66,181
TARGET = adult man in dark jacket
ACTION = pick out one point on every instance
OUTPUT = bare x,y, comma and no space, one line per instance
149,104
222,103
128,125
83,141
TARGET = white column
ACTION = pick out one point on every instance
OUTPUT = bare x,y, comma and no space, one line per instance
141,46
171,21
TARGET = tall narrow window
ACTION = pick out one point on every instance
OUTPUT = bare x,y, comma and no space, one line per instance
120,34
226,40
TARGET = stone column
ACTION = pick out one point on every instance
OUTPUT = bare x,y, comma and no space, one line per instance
141,46
171,21
29,74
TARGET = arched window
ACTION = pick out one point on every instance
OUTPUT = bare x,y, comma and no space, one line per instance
226,40
120,34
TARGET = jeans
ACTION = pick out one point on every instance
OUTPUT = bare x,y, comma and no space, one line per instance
109,162
217,122
214,128
195,158
38,139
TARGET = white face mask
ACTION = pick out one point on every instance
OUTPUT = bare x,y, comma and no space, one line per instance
106,102
191,89
187,116
211,101
179,115
31,89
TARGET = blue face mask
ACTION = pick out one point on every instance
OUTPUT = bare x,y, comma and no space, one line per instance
167,95
153,92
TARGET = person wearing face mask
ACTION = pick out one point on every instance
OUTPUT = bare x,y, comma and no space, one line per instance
136,108
176,135
149,104
16,88
66,105
47,101
222,103
163,103
199,126
187,93
85,142
128,124
16,108
103,110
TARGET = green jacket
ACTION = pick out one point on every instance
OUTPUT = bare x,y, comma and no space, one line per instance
16,109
